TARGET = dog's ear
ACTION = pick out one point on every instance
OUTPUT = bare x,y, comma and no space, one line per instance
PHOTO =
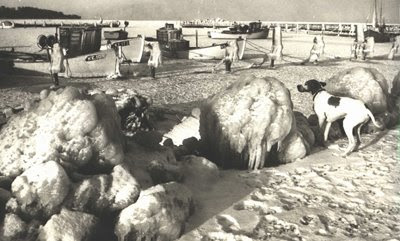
300,88
322,83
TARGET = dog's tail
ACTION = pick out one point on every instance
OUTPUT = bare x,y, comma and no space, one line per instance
380,126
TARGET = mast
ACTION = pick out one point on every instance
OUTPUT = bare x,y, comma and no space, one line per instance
374,17
381,16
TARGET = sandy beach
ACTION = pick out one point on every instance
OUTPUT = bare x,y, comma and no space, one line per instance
321,197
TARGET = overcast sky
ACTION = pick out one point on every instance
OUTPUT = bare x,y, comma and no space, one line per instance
279,10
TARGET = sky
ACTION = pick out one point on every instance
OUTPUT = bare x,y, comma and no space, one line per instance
272,10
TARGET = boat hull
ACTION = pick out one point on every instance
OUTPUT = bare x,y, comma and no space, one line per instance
378,37
256,35
133,51
205,53
115,35
98,64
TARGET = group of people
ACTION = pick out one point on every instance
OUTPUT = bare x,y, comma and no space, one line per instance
231,54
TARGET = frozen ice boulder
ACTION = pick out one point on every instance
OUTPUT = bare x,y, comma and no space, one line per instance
41,189
159,214
14,228
104,193
68,225
240,125
199,173
370,86
366,84
66,126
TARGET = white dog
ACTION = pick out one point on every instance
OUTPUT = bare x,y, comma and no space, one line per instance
330,108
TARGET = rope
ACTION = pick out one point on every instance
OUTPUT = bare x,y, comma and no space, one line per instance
257,46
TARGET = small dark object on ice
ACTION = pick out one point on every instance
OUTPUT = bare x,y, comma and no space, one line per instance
134,115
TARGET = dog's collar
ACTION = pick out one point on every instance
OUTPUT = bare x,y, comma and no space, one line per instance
316,93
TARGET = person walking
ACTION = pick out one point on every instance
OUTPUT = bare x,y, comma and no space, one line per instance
231,55
155,58
56,63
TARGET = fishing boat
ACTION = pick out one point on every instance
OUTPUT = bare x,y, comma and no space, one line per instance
84,57
378,30
173,45
215,51
115,35
252,31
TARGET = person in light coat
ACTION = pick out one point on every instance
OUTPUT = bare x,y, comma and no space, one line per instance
155,58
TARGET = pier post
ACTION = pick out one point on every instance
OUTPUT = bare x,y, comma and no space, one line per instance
359,33
323,27
297,28
308,27
197,39
340,29
352,29
277,47
286,27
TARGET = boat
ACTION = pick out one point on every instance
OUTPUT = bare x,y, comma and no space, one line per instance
7,24
173,45
214,51
252,31
379,36
115,35
378,30
84,57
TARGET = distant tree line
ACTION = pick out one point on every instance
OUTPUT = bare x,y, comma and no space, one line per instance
33,13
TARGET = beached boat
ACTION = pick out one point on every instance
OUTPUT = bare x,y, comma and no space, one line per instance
118,34
98,63
252,31
115,35
173,45
203,53
7,24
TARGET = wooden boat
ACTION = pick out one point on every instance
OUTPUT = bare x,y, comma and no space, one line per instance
204,53
115,35
97,64
379,37
173,45
251,31
378,31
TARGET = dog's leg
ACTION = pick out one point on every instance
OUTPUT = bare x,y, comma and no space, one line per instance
326,132
359,132
321,122
348,127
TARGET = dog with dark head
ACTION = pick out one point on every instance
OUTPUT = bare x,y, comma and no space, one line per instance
330,108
